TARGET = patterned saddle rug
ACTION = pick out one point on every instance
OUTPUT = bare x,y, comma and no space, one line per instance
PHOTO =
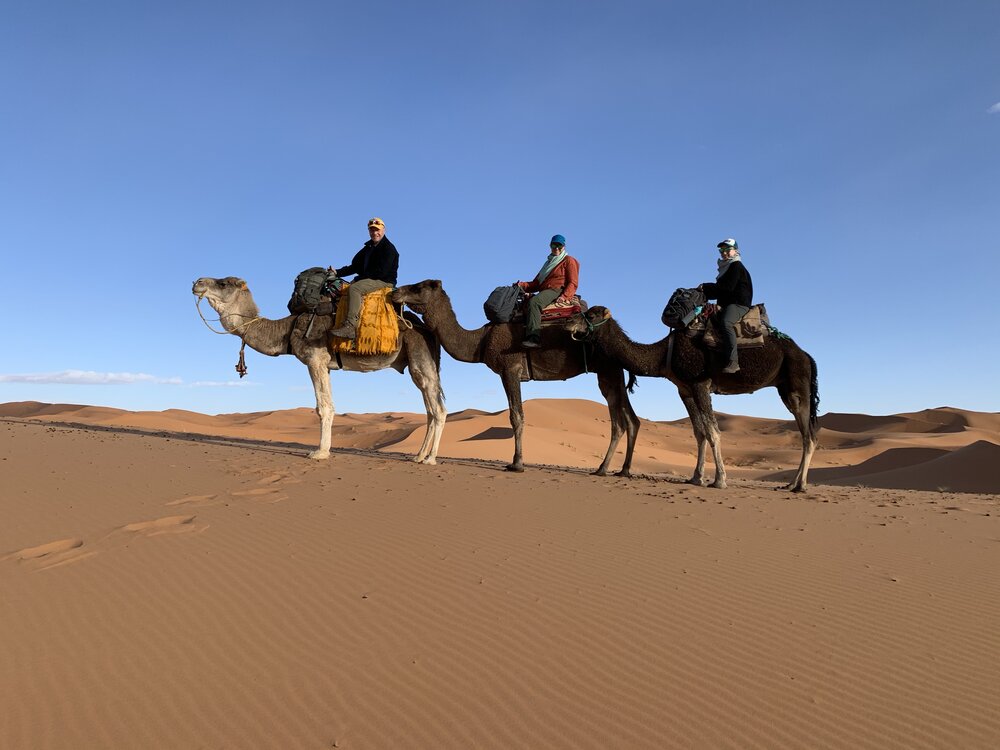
556,313
750,329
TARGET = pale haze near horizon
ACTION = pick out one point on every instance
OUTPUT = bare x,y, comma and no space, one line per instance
854,154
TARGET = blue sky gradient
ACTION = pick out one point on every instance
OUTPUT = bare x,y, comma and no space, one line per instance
853,150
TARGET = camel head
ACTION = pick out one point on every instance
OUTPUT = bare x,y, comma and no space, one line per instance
418,296
582,326
228,296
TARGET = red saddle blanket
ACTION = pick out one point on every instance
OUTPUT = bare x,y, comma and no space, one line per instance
557,312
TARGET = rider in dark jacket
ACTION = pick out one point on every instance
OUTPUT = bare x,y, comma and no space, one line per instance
376,265
733,288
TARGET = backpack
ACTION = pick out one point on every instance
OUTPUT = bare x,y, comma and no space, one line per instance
683,307
502,303
311,287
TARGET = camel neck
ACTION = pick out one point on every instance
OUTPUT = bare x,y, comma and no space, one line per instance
460,343
263,335
641,359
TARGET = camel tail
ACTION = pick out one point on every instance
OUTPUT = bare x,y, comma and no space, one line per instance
633,382
813,398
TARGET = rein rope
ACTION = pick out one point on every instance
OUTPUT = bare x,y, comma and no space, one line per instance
241,366
583,341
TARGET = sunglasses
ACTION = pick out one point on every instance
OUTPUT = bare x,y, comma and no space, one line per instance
556,246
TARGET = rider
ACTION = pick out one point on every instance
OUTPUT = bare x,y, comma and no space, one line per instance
734,290
375,264
556,281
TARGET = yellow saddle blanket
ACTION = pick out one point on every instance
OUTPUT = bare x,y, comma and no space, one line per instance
378,327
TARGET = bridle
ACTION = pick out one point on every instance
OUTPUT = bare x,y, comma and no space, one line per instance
240,330
591,326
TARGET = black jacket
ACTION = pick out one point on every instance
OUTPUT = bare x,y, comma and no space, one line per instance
373,261
734,288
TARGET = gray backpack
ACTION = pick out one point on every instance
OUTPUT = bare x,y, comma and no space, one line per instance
312,286
502,303
683,307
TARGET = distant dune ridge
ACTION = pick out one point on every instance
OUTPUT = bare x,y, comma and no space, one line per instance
942,449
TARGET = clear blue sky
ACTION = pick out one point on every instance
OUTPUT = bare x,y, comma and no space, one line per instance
852,148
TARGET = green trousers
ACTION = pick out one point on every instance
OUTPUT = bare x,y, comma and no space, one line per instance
535,305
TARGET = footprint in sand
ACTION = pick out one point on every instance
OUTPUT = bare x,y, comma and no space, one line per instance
194,500
166,525
265,494
52,554
43,550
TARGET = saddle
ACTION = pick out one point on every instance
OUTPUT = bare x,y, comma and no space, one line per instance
556,313
378,325
750,329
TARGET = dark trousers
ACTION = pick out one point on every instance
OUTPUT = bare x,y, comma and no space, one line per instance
731,315
535,305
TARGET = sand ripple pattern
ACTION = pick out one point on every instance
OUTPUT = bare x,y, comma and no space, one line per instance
242,598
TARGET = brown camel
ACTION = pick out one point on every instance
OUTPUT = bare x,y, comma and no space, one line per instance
418,350
697,372
497,346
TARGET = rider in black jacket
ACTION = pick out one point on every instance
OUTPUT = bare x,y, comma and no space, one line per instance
376,265
733,288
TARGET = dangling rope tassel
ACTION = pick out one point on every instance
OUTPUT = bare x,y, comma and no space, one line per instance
241,366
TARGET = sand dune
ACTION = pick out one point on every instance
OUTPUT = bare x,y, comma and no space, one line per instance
881,451
166,588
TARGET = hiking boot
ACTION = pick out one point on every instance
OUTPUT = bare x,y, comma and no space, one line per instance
345,331
732,367
531,342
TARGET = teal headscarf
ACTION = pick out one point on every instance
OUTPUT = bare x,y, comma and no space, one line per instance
554,259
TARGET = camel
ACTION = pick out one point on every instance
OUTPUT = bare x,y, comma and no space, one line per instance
306,338
697,372
497,346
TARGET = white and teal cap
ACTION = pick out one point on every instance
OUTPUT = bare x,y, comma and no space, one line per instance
728,243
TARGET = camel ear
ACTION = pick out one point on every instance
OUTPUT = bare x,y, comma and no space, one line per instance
607,313
242,285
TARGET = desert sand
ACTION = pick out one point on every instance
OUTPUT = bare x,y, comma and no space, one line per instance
176,580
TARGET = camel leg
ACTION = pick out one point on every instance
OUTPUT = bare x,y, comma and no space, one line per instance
798,404
687,398
426,377
710,427
631,432
612,387
512,386
319,373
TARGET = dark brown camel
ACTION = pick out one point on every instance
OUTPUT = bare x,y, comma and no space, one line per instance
697,372
498,347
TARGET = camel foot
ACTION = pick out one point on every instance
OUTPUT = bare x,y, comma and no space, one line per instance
599,473
318,455
696,481
796,488
514,467
624,473
718,485
429,461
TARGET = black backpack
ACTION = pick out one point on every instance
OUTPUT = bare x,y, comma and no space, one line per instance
312,286
683,307
502,303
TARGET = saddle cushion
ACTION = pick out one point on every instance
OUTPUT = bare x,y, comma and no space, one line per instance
378,325
750,329
556,313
